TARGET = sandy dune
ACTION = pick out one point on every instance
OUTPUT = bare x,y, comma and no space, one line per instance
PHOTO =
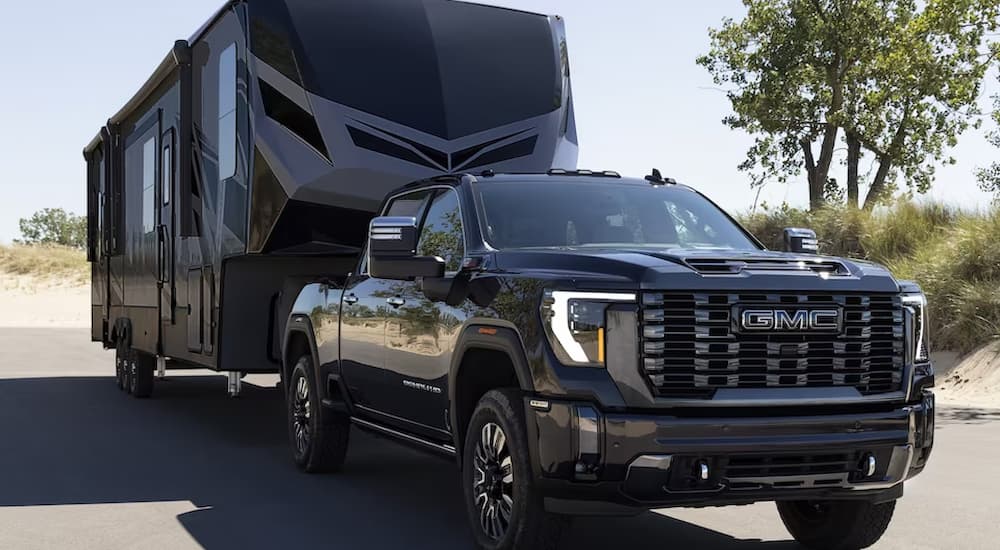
972,380
30,303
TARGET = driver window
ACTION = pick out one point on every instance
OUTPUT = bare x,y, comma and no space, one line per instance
442,232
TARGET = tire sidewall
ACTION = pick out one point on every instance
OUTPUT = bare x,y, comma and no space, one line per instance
303,369
131,365
496,407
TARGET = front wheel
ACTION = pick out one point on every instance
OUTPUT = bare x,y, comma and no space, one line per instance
505,510
836,525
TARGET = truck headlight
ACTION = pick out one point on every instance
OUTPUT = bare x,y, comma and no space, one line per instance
574,323
919,342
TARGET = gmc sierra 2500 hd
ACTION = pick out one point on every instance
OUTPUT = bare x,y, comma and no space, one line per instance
587,344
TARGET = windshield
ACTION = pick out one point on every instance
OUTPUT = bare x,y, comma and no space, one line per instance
550,214
449,69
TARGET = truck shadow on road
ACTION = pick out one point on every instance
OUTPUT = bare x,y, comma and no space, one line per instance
81,441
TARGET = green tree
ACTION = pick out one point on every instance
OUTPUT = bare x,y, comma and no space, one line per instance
900,78
989,177
54,226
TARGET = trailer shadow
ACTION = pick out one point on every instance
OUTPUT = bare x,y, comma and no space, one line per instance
81,441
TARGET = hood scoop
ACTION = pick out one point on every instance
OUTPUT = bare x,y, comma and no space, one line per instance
732,266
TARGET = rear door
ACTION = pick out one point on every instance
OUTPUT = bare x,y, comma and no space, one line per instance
96,208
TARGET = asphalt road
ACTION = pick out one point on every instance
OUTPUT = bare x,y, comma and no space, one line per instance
84,466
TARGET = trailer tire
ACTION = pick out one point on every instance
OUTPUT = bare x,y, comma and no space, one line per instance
836,525
121,360
319,436
141,374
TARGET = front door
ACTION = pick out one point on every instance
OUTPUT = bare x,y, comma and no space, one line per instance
421,334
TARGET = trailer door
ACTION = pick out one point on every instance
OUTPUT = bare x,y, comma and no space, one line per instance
165,230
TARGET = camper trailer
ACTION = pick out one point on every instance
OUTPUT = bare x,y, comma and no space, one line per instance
252,160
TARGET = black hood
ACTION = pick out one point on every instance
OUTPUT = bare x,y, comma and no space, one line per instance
701,269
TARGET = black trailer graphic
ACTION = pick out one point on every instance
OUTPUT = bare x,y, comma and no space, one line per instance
253,158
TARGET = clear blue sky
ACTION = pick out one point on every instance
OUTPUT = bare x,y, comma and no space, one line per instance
640,99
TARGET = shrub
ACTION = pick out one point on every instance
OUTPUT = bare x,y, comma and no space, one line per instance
52,263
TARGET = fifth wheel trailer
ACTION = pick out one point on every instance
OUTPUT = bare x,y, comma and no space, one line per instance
253,158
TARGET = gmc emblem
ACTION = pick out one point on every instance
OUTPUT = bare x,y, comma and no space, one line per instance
783,320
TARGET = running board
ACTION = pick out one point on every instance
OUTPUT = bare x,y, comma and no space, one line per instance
438,448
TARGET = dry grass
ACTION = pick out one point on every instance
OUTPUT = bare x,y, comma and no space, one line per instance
45,264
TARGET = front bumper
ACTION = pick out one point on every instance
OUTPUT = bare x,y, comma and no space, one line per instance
588,461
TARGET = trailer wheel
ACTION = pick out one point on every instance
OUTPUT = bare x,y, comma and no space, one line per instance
121,360
142,367
319,436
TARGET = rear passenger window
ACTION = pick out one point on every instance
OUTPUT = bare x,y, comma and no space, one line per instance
442,232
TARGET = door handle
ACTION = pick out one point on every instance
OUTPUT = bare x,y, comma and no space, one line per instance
395,301
162,276
350,299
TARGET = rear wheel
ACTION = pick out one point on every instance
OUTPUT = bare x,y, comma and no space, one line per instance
505,510
319,436
836,525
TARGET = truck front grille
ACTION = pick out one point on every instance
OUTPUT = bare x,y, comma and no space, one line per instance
691,345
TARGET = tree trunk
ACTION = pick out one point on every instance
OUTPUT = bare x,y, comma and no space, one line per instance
877,188
853,158
885,159
815,199
817,186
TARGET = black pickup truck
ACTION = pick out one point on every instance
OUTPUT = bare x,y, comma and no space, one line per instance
586,344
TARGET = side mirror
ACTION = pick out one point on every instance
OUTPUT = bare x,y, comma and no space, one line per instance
800,240
392,251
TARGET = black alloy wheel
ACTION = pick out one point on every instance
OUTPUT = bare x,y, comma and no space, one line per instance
301,416
493,484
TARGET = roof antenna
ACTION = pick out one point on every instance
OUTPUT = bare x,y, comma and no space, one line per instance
656,178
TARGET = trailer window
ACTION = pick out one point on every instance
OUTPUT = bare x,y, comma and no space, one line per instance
149,185
227,113
168,171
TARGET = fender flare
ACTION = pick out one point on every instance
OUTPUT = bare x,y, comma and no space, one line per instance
507,340
298,324
301,323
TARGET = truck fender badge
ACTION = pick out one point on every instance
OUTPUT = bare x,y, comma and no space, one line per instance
422,387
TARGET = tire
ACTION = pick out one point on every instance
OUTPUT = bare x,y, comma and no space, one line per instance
319,436
141,374
505,510
837,524
121,360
